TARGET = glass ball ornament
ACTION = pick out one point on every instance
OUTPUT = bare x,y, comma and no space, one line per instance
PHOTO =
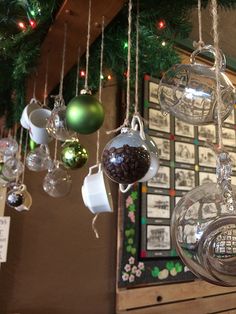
204,233
12,169
39,159
126,158
57,182
56,125
188,91
8,146
15,197
73,154
84,114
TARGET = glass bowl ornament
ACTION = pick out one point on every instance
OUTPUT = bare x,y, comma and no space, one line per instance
126,158
57,182
8,147
188,91
73,154
12,169
57,125
39,159
203,228
84,114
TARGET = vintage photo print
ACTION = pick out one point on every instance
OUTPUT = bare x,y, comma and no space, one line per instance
184,152
189,234
229,137
207,157
233,160
158,237
153,95
184,179
206,177
163,147
231,118
162,178
158,206
183,128
207,132
158,121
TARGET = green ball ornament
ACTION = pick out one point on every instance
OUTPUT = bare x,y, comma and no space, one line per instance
84,114
73,155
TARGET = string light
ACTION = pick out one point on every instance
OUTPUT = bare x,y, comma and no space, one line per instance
22,25
161,24
163,43
33,23
125,45
82,73
109,77
102,77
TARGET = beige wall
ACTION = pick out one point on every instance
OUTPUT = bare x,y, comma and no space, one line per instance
55,264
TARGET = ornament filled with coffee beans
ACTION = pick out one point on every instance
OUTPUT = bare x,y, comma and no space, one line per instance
84,114
126,158
188,91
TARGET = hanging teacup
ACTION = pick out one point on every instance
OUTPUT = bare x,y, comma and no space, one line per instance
188,91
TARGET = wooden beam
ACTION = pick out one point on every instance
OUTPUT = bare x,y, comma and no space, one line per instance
75,13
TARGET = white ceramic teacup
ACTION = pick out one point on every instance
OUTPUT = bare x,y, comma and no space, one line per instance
96,191
24,120
38,121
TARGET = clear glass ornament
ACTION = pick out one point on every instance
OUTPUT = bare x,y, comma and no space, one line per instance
56,125
126,158
57,182
8,146
203,228
188,91
12,169
39,159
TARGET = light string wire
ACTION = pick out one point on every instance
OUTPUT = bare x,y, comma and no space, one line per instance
77,74
217,71
45,93
25,156
15,130
63,62
87,46
126,120
19,151
200,44
136,105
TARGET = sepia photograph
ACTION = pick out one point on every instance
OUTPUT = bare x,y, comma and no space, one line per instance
207,132
207,157
233,160
206,177
184,179
163,147
231,118
158,121
209,210
184,152
183,128
162,178
158,206
158,237
153,95
229,138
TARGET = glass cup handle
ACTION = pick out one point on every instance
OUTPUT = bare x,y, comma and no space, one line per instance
124,189
211,49
137,122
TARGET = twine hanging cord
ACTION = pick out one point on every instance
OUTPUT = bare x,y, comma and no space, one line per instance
87,47
200,44
63,61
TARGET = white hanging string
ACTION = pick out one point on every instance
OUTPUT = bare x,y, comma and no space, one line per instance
55,150
25,155
93,226
19,151
137,62
77,75
45,94
217,70
87,48
200,42
126,120
63,62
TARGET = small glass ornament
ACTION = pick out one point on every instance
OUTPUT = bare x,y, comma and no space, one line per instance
73,154
203,228
56,125
126,158
12,169
15,197
8,146
39,159
85,114
188,91
57,182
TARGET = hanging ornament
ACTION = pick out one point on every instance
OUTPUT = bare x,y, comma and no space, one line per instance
126,158
73,154
12,169
188,91
85,114
32,144
39,159
15,196
8,147
57,182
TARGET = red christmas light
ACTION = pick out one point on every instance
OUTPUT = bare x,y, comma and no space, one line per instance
33,23
109,77
161,24
82,73
22,25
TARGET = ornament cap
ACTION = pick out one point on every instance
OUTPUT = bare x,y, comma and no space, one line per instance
86,91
